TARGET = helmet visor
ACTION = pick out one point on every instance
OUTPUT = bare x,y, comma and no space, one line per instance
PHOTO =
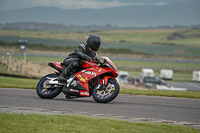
95,46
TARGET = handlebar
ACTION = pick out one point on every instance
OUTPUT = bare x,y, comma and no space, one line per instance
98,63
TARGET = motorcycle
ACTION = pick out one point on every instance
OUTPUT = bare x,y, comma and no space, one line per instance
91,79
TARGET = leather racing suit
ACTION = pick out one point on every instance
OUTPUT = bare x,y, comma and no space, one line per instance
76,58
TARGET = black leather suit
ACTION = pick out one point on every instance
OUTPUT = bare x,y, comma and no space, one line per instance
75,59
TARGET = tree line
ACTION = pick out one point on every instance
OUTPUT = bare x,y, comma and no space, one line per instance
50,26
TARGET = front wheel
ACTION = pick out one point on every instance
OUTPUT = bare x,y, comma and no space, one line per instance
45,91
106,93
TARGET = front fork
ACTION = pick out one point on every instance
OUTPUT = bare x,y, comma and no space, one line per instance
104,82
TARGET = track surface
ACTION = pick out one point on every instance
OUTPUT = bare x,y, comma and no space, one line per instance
190,86
173,109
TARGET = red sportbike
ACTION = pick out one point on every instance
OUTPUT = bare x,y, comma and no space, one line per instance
91,79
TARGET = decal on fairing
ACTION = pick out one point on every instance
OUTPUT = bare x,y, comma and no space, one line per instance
89,72
58,66
84,93
82,79
72,90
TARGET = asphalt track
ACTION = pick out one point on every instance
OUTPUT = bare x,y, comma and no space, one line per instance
189,86
135,106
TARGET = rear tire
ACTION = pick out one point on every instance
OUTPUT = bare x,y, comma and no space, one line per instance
104,95
47,93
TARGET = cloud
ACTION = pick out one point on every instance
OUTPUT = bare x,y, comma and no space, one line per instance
76,4
68,4
97,5
159,4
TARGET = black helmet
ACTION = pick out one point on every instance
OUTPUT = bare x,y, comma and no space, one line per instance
94,42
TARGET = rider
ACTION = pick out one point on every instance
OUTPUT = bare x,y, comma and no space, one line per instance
82,52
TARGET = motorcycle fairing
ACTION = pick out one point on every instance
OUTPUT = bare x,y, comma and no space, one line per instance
88,64
86,75
56,65
106,79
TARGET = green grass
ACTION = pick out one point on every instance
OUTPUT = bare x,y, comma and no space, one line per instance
187,41
180,94
25,83
151,41
157,64
19,123
132,41
119,62
148,36
39,59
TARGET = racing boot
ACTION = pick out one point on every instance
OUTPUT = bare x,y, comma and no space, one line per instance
62,78
69,80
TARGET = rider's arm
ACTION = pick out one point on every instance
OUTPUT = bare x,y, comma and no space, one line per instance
94,57
80,50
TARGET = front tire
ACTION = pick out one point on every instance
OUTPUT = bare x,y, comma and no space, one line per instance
47,92
107,93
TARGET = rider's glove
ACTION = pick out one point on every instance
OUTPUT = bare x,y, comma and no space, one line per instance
89,59
95,59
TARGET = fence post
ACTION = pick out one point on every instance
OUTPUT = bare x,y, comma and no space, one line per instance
9,62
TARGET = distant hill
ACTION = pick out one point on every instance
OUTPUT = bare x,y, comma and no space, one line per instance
177,13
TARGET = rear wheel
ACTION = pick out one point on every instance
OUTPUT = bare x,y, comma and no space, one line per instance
45,91
106,93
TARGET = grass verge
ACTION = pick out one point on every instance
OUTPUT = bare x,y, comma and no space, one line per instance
180,94
24,83
10,82
20,123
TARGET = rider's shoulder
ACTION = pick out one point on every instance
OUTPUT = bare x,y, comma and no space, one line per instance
82,45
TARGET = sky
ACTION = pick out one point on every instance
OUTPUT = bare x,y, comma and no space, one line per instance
77,4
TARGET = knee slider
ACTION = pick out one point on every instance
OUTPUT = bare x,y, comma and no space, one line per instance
75,64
